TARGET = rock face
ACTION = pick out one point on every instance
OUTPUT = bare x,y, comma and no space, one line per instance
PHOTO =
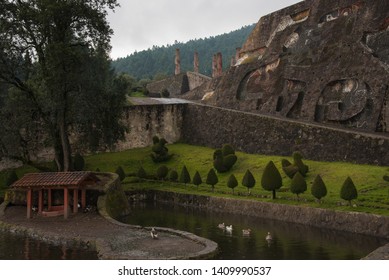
323,61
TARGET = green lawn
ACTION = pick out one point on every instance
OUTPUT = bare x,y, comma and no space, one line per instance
373,191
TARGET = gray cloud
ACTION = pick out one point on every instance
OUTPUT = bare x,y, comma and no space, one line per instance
140,24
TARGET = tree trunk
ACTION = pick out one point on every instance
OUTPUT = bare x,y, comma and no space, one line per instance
274,194
65,145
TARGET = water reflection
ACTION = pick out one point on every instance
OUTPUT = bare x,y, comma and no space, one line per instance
289,241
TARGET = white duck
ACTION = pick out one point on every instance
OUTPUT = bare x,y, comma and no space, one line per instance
153,233
222,226
229,228
246,232
269,238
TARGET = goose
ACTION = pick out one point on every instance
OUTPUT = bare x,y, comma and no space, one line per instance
222,226
269,237
246,231
34,209
153,233
229,228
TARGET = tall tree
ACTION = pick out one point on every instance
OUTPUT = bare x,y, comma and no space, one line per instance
54,53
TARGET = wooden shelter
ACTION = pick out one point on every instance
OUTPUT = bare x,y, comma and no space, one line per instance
49,181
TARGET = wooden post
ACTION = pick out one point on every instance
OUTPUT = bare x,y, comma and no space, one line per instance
83,198
29,203
75,200
49,201
40,201
65,203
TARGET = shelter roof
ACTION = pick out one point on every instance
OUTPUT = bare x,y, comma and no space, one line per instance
54,179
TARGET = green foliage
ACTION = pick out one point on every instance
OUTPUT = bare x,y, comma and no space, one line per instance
298,184
11,178
162,172
297,166
248,181
232,183
289,168
173,176
212,179
386,178
348,191
141,173
121,173
197,179
160,152
184,176
271,179
78,162
224,159
319,189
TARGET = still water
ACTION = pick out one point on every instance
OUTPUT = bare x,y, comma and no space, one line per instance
14,247
289,241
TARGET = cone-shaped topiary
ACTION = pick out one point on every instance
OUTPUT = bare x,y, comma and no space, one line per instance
121,173
78,162
141,173
173,176
212,179
271,179
184,176
232,183
197,181
248,181
11,178
319,189
348,191
162,172
298,184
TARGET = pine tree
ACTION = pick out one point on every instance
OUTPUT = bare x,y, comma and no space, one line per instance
271,179
298,184
319,189
248,181
212,179
197,181
184,177
348,191
232,182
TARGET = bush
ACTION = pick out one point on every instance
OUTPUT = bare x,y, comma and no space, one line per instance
212,179
232,182
248,181
159,153
162,172
173,176
298,184
78,162
348,191
298,161
12,177
197,179
141,173
224,158
271,179
319,189
297,166
121,173
185,176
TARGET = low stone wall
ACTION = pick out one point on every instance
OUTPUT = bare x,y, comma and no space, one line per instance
259,134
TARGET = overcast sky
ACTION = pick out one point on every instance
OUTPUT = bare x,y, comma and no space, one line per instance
140,24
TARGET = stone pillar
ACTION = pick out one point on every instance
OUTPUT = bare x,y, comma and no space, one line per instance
196,62
219,64
214,69
177,62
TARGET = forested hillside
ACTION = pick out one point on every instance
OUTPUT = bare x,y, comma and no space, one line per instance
160,60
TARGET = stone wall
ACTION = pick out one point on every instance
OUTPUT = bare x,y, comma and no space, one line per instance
253,133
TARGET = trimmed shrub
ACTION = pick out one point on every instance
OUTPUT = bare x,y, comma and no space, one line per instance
297,166
78,162
289,168
197,181
224,158
162,172
141,173
319,189
121,173
11,178
298,161
227,149
232,183
298,184
185,176
229,161
271,179
348,191
386,178
159,153
173,176
248,181
212,179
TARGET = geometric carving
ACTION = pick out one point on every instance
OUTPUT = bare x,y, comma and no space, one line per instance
346,11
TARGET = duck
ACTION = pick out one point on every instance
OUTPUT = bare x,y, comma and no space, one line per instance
34,209
222,226
229,228
269,237
246,231
153,233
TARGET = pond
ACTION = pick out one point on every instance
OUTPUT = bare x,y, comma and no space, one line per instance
16,247
289,241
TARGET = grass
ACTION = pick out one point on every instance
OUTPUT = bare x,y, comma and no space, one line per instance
373,191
